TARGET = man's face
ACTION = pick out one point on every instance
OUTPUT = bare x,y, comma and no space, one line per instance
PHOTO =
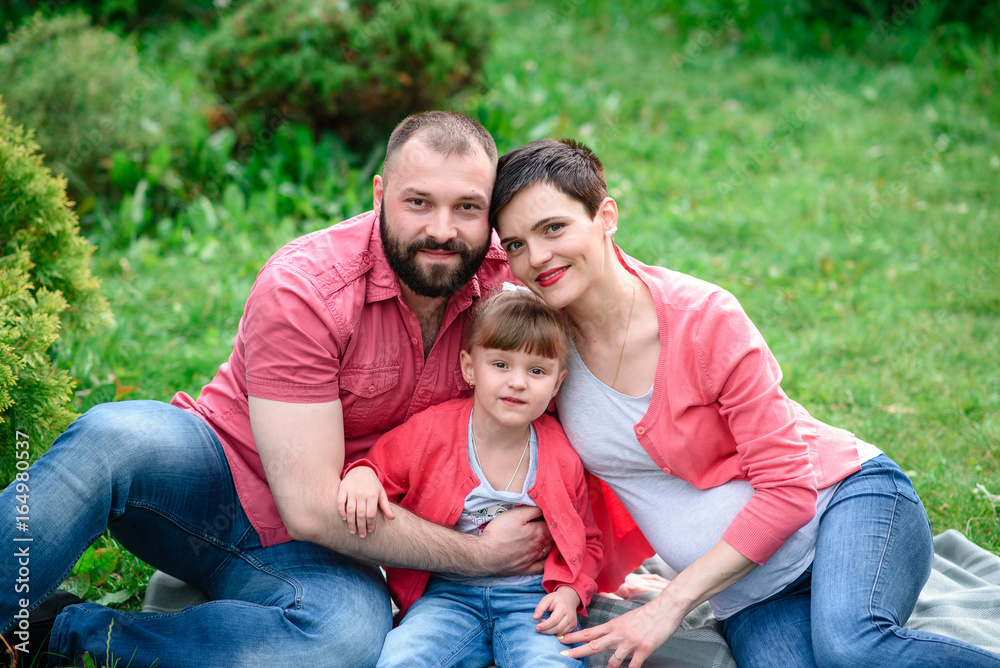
433,212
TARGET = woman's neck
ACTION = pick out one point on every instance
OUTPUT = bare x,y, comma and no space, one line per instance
603,309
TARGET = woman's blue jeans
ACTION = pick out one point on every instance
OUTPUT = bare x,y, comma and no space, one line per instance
157,477
456,625
873,556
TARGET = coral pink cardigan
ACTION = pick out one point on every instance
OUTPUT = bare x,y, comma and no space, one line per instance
718,413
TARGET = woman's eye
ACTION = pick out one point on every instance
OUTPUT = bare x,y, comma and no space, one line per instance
513,246
554,227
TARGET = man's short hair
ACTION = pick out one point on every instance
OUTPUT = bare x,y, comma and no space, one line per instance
446,132
567,165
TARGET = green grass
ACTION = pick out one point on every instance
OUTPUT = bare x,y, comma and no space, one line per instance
852,211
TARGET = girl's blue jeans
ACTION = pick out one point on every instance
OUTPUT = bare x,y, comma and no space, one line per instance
157,477
873,556
456,625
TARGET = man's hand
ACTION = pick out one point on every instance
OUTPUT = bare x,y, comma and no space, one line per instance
516,543
561,606
360,498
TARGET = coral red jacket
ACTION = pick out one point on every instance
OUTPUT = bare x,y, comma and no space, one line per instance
718,413
424,466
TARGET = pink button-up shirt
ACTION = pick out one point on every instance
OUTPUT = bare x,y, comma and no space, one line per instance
325,320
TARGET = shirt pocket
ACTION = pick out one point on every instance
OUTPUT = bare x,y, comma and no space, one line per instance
366,394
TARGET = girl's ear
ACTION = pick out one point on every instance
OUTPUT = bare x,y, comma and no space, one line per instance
465,361
562,376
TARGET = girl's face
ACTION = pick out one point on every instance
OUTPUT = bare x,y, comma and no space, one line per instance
553,245
511,387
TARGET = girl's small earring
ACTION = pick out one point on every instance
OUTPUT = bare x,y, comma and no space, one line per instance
611,232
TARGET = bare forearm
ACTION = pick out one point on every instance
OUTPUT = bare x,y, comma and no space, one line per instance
511,545
411,542
710,574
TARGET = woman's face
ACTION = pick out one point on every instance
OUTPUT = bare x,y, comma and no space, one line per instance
553,245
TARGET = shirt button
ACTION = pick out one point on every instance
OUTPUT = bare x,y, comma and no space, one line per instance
573,560
371,389
640,431
553,524
367,259
531,494
422,394
413,340
666,469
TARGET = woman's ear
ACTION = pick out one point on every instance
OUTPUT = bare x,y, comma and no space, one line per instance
607,215
465,361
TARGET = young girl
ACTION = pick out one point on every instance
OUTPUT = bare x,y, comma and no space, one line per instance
462,463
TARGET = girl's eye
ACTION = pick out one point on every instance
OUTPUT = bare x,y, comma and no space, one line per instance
537,372
500,365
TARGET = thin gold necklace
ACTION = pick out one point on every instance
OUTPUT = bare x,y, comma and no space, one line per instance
475,450
627,325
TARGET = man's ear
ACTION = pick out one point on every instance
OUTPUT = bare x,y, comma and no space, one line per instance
378,192
465,361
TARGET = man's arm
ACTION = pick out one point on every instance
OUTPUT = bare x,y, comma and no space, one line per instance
301,447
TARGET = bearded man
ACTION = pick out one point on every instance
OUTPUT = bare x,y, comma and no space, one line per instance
347,332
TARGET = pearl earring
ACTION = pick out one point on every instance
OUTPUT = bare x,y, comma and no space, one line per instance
610,232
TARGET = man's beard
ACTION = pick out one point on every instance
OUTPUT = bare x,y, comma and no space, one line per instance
439,280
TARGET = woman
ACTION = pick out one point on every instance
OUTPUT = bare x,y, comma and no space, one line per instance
810,543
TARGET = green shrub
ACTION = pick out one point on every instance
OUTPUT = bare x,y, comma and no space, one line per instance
127,14
356,69
45,287
87,94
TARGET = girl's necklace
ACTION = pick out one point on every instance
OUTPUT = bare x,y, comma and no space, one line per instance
475,450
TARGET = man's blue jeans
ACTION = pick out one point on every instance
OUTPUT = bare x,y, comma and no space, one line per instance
158,478
456,625
873,556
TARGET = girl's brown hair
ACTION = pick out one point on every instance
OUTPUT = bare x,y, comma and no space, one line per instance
519,320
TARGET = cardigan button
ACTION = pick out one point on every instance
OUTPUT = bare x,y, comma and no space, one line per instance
640,431
666,469
573,560
553,524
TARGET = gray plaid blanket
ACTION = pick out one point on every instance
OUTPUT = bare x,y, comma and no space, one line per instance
961,600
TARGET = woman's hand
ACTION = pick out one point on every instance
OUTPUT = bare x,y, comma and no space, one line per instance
360,497
638,632
561,606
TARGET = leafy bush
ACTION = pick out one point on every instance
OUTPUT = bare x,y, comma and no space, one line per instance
129,14
45,286
87,94
356,69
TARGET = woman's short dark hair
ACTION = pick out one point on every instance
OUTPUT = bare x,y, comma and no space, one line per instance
567,165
